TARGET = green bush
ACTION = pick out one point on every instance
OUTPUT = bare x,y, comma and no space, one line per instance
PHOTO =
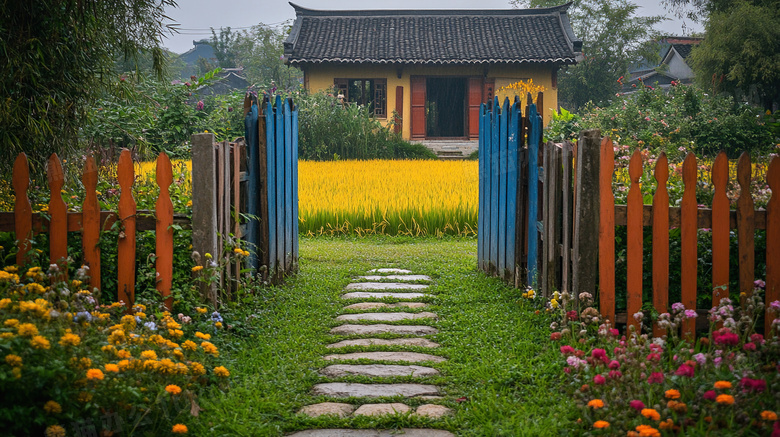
330,130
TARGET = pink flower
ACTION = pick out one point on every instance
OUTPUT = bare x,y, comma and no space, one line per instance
615,374
759,283
599,354
655,378
614,364
567,350
691,314
752,385
749,347
653,357
637,405
555,336
757,338
567,369
710,395
599,380
572,315
614,332
199,106
725,337
685,370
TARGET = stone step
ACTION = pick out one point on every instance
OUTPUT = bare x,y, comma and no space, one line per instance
382,409
410,357
328,408
377,370
384,329
342,410
432,411
352,389
384,286
386,317
420,342
375,305
390,270
405,432
395,278
379,295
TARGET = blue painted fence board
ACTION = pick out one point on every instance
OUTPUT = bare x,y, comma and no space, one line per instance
494,154
488,137
533,195
513,170
295,183
502,188
271,185
288,195
281,200
481,175
253,168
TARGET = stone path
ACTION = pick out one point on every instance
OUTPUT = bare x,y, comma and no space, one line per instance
379,284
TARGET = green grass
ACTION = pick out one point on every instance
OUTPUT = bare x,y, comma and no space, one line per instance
499,355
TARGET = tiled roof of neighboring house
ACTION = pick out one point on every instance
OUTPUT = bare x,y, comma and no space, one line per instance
433,36
683,49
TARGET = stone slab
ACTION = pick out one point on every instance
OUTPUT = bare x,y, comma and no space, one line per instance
386,270
380,295
375,305
394,278
409,357
383,329
377,370
405,432
384,286
432,411
386,317
352,389
421,342
382,409
332,408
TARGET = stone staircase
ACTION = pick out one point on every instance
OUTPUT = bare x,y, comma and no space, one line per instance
451,149
359,326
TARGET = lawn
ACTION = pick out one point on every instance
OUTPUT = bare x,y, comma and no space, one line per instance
502,373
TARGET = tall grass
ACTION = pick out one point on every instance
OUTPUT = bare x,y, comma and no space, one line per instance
388,197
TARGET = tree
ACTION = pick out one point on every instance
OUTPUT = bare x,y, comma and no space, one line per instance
740,53
613,38
224,47
57,57
261,51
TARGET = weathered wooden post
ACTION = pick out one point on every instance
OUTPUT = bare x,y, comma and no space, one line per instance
586,214
204,203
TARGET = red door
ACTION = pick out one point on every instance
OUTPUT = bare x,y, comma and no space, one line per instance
475,100
418,107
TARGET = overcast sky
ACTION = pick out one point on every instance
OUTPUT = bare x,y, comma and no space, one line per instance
195,17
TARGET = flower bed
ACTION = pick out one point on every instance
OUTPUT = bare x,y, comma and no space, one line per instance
726,383
68,362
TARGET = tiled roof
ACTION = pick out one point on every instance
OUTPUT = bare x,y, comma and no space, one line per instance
432,36
683,49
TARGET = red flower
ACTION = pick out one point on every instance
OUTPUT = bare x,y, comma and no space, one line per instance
614,332
655,378
637,405
685,370
555,336
749,346
615,374
599,354
752,385
572,315
710,395
725,337
567,350
614,364
653,357
599,380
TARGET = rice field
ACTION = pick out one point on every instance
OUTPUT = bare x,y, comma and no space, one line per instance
413,198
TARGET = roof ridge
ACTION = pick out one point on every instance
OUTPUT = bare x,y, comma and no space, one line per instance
302,11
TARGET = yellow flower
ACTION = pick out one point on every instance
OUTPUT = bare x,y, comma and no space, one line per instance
197,268
189,203
13,360
178,354
10,323
221,371
128,321
40,342
123,354
769,416
11,269
27,330
4,303
84,397
149,355
9,277
95,374
651,414
55,431
123,365
117,336
173,389
179,429
70,340
197,368
201,310
209,348
112,368
238,250
218,324
672,394
17,372
601,424
722,385
52,407
189,345
203,336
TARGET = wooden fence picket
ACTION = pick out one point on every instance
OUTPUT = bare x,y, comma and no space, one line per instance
688,242
634,240
745,226
126,244
495,153
22,209
512,189
773,241
720,229
607,231
503,157
58,213
288,204
164,230
533,194
280,199
661,240
90,222
270,173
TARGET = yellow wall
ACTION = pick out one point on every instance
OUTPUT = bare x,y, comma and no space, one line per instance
320,77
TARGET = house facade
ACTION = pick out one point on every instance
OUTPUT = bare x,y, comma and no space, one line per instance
429,70
673,67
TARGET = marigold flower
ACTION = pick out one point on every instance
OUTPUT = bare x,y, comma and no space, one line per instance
124,354
596,404
179,429
201,310
209,348
13,360
672,394
149,355
224,373
6,335
769,416
647,431
84,397
123,365
112,368
599,424
218,325
27,330
55,431
52,407
10,323
95,374
40,342
725,399
197,269
722,385
70,340
651,414
197,368
666,425
173,389
203,336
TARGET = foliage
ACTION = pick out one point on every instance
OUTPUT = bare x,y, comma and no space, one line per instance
613,37
331,129
675,121
741,52
519,89
71,363
724,384
414,198
57,58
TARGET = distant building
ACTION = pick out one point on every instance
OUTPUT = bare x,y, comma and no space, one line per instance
674,51
202,51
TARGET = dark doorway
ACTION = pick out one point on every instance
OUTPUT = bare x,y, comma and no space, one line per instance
445,107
